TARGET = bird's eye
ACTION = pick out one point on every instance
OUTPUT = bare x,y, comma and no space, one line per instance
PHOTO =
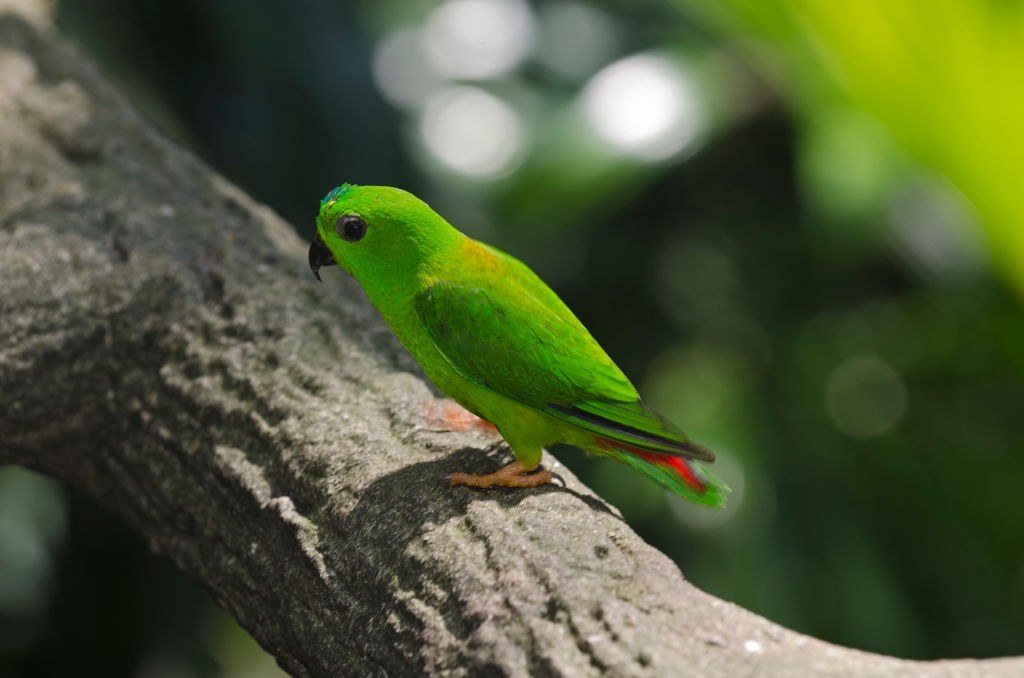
350,228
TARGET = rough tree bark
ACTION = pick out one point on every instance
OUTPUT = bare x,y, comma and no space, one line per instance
164,349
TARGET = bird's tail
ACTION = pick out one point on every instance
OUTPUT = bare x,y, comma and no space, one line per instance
684,477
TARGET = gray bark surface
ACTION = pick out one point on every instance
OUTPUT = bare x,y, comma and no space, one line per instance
165,350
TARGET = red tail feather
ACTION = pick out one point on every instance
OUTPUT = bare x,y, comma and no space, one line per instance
677,464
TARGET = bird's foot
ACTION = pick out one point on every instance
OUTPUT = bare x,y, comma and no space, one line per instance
451,416
513,475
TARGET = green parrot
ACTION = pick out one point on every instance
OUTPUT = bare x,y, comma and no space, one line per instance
489,333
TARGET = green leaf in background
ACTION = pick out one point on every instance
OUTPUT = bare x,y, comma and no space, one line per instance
943,78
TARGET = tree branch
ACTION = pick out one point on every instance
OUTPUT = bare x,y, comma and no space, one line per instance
166,351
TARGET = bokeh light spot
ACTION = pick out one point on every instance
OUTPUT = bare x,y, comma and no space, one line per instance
593,40
477,39
644,106
401,70
936,228
843,138
472,132
687,384
865,397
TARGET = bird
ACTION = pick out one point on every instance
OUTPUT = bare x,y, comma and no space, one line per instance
489,333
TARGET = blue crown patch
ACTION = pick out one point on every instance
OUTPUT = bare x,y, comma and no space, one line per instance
336,193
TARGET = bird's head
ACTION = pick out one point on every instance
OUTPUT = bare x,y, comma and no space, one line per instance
376,233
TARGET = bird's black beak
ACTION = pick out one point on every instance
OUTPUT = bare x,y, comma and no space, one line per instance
319,256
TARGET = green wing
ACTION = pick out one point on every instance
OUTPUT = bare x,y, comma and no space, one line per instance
520,348
538,354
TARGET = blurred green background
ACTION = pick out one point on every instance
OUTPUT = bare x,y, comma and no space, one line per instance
798,226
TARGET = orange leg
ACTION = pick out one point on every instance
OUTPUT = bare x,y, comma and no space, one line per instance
513,475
